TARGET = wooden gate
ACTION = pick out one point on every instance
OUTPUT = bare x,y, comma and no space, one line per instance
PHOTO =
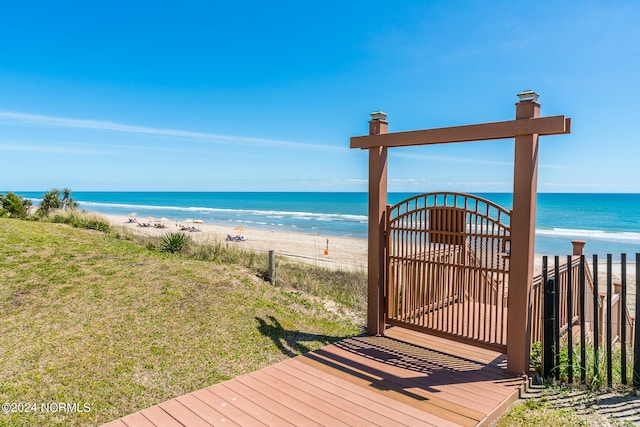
448,267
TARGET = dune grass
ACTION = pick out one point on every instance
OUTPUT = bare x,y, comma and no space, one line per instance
89,318
347,288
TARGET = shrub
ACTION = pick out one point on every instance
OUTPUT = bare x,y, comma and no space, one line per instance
174,242
80,220
14,205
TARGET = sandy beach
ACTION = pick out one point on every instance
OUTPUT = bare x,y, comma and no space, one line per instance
343,252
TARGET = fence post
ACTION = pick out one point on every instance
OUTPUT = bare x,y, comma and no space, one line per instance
623,319
570,317
578,247
583,340
596,320
549,306
636,331
556,315
609,318
272,267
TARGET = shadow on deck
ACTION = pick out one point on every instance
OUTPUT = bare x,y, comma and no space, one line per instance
402,379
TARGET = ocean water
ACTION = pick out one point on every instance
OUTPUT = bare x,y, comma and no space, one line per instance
610,223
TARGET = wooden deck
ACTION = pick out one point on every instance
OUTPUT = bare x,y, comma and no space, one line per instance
402,379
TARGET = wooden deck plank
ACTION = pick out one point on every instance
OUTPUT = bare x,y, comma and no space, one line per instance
388,411
319,398
115,423
477,354
323,416
405,378
439,368
250,407
182,414
160,417
339,398
413,360
205,411
267,402
430,412
428,353
460,349
227,409
450,386
137,420
443,408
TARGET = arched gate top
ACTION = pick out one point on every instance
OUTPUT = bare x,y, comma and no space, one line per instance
452,200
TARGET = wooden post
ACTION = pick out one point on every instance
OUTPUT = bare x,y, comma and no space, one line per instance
272,267
523,223
376,239
578,247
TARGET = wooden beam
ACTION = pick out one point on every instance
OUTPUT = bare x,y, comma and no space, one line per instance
553,125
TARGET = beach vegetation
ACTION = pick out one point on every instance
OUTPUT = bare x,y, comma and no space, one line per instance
174,242
14,206
81,220
348,289
92,318
541,411
51,201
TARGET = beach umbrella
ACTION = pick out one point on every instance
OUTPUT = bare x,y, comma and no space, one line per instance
133,214
163,219
198,221
189,220
239,228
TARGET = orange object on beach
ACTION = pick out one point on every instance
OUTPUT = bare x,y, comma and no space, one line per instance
326,250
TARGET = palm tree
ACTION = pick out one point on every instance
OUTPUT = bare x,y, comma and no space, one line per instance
67,201
50,200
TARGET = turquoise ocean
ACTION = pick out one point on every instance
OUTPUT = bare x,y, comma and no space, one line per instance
610,223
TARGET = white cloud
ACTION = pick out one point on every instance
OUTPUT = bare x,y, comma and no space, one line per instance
52,121
41,146
51,148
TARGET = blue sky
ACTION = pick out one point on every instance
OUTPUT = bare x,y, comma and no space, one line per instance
264,96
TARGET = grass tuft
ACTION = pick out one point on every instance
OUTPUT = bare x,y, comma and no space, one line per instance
81,220
174,242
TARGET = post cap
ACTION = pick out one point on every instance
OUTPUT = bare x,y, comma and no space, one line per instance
528,95
378,115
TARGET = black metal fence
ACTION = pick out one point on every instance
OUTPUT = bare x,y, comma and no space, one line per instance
589,330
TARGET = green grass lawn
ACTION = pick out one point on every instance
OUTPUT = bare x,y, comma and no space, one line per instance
88,318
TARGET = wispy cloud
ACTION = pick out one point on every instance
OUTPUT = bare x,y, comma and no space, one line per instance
468,160
453,159
63,122
42,146
52,148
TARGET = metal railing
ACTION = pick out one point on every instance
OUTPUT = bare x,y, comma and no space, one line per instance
586,319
